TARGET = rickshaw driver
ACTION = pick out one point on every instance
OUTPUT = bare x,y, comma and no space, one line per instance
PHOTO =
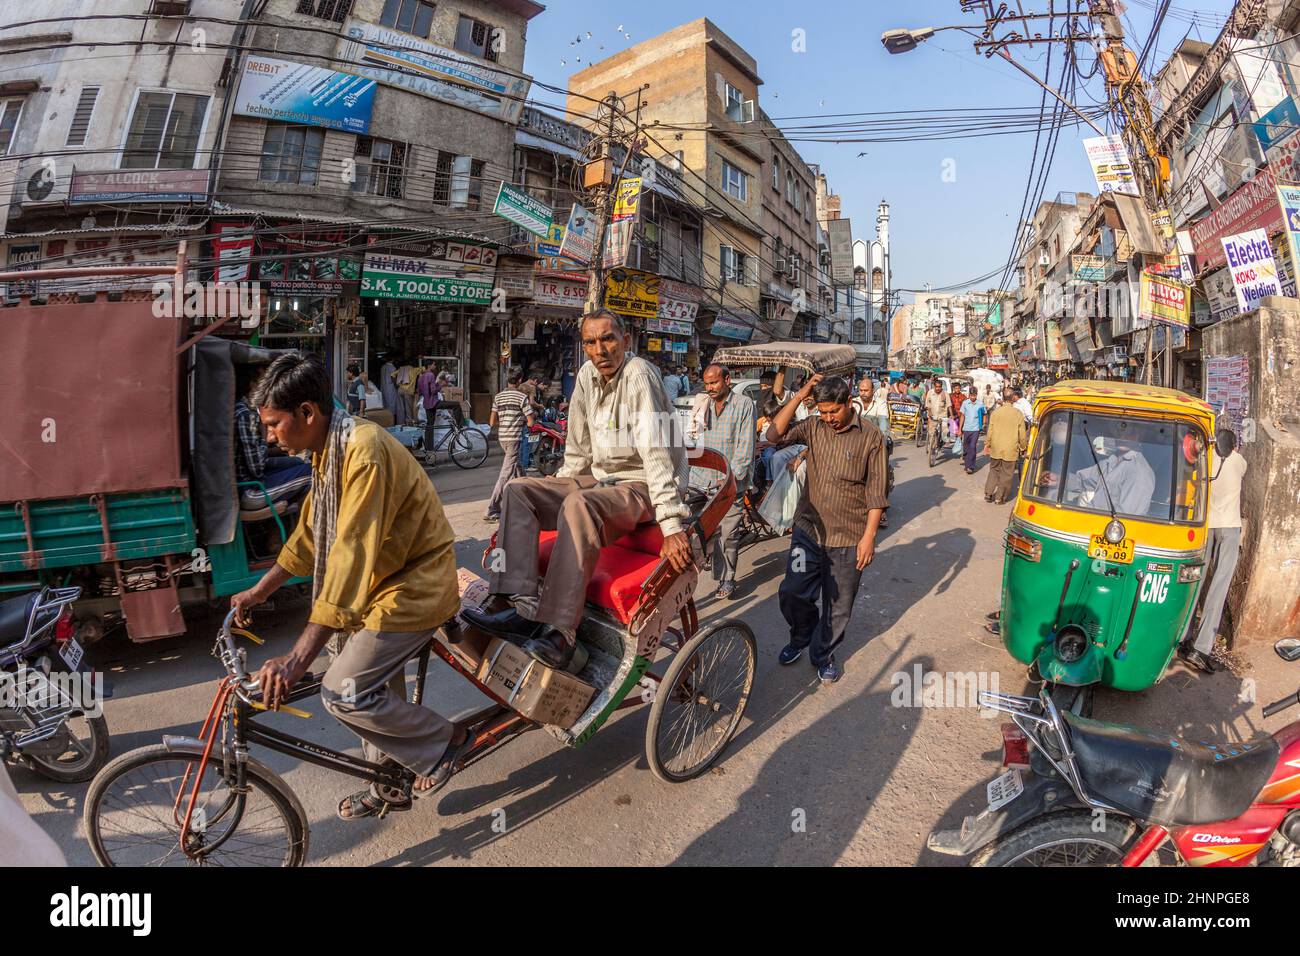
936,409
624,465
1125,478
381,553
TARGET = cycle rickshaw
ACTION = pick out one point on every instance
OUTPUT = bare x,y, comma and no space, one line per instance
206,799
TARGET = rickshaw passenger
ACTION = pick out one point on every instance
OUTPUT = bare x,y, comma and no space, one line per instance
624,464
283,476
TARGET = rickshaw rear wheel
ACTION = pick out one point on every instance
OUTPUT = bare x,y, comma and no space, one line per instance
700,701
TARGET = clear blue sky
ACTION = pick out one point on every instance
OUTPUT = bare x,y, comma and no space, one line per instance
942,232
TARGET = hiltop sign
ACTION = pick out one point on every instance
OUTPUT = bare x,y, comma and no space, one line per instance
1110,165
519,207
841,240
627,199
1162,299
423,280
140,185
579,238
399,59
286,92
1254,271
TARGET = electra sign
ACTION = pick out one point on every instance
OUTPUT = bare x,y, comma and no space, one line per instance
1254,270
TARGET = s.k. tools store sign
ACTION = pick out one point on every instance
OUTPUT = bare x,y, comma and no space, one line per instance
424,280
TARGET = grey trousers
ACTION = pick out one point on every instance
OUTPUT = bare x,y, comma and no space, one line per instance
1001,479
726,552
365,688
588,516
1222,551
511,467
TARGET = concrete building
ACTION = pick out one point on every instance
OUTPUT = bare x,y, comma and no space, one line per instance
872,280
703,87
792,276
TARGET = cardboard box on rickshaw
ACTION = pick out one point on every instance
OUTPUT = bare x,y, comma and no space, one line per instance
536,691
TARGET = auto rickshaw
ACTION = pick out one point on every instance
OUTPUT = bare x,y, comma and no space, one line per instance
1106,546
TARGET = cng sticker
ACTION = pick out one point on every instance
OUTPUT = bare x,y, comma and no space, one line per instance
1155,588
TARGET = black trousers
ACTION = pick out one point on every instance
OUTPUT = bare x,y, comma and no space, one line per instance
814,573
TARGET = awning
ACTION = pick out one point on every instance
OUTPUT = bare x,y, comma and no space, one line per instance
1137,222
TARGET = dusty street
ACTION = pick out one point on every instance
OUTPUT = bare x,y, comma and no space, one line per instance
816,775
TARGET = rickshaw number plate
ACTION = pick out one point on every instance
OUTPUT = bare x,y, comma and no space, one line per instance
1005,788
1121,553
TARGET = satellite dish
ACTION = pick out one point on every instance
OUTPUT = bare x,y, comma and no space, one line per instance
40,185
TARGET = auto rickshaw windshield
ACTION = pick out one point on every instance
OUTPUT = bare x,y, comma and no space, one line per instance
1154,470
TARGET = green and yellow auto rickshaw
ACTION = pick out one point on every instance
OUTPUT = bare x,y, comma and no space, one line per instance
1106,546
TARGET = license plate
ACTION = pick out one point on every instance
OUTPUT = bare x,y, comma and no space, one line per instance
71,653
1121,553
1005,788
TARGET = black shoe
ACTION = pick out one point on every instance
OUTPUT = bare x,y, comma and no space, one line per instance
509,623
551,649
1195,658
993,616
789,654
989,499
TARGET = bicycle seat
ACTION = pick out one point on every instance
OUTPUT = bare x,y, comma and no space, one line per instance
1165,779
14,615
621,569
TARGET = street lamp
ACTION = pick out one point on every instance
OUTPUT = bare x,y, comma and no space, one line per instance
904,41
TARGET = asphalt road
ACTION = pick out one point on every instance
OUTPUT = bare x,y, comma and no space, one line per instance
850,773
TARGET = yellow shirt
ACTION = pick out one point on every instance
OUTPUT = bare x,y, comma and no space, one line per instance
393,564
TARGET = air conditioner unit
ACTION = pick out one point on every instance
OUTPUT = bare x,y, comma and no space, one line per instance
43,183
780,265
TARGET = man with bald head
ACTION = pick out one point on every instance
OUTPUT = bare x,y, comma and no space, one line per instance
726,424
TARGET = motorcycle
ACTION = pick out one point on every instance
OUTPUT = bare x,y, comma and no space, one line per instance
1081,792
50,718
546,439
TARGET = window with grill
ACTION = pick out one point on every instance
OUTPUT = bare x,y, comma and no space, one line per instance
475,183
164,131
291,154
442,177
336,11
409,16
81,116
383,172
476,37
734,182
9,110
859,331
860,279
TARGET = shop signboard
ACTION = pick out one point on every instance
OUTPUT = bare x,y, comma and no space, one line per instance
1254,270
1088,268
578,240
1278,123
232,244
669,326
632,293
304,94
300,264
1219,294
560,292
1110,165
627,199
681,348
730,326
423,280
653,345
140,185
399,59
515,205
1289,201
1253,205
679,301
1164,299
841,241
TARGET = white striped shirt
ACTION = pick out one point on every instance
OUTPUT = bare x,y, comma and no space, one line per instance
627,429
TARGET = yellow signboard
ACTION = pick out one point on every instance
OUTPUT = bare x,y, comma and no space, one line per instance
627,199
1162,299
632,293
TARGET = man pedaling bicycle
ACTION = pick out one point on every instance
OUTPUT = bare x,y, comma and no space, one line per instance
374,539
936,411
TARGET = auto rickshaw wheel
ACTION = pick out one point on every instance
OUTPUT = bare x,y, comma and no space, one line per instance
1075,700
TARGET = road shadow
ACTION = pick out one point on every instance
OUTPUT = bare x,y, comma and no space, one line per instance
812,795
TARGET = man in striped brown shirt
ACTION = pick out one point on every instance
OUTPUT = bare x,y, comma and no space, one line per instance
835,527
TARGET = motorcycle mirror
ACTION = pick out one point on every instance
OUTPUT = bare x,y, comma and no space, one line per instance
1288,648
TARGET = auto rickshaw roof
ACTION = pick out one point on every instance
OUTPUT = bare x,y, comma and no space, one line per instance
811,357
1122,395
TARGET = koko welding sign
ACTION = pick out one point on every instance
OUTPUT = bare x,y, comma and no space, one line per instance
1254,270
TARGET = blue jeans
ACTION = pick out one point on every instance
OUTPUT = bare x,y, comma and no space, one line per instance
524,448
970,447
766,457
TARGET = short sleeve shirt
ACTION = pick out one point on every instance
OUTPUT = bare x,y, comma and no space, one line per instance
511,406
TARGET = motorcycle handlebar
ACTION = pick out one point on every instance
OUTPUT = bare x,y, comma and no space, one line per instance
1283,704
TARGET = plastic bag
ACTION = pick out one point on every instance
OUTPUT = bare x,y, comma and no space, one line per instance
782,499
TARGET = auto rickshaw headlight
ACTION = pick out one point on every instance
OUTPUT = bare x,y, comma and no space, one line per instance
1070,644
1115,531
1189,573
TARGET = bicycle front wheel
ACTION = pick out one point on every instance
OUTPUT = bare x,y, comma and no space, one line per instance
136,805
468,448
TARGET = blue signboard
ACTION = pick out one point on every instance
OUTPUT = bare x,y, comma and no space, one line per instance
1278,123
288,92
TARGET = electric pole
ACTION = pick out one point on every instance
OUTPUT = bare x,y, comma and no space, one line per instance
600,183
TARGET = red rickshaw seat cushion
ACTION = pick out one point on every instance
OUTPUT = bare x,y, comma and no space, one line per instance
621,569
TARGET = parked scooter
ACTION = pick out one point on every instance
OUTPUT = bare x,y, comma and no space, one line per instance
1080,792
49,715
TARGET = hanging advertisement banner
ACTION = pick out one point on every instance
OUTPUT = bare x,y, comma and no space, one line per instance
729,326
579,240
395,58
1288,198
1088,268
423,280
1163,299
1163,220
1254,270
841,240
286,92
515,205
560,292
618,242
679,302
1110,165
632,293
1254,205
627,199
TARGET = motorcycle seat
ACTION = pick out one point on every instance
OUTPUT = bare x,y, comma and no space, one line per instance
1165,779
14,615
